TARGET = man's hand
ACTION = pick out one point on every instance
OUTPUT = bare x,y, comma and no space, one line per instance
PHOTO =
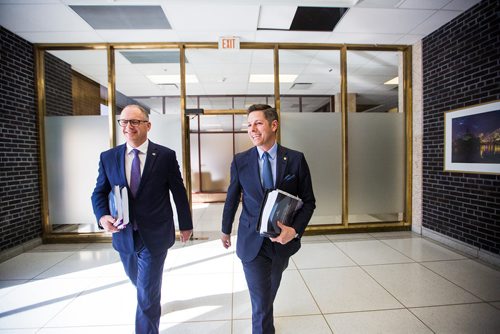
185,235
107,223
287,234
226,240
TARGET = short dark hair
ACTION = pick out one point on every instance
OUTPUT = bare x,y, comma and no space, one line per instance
270,113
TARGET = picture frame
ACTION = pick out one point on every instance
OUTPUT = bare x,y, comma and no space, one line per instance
472,139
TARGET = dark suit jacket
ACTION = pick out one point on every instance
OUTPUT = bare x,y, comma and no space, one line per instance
292,176
151,207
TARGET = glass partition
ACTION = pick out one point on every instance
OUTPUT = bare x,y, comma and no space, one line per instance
308,124
76,132
376,133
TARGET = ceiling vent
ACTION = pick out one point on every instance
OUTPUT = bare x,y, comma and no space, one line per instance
123,17
152,57
316,18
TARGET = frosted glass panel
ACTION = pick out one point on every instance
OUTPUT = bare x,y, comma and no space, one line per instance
242,142
318,136
165,130
195,164
216,157
73,146
376,166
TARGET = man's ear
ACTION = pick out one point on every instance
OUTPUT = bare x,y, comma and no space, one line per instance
274,125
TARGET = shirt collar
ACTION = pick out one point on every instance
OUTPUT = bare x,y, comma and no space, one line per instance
272,152
143,148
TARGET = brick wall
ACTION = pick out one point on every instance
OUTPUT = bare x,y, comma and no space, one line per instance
461,67
58,87
20,195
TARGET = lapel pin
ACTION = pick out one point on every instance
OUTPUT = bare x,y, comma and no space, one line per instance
154,153
284,158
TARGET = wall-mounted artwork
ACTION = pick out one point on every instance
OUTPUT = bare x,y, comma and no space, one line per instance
472,139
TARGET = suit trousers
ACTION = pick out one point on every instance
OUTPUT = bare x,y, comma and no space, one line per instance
145,271
263,275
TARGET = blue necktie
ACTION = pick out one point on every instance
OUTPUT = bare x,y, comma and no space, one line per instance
267,173
135,173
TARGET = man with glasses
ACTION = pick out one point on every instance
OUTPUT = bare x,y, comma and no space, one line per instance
149,172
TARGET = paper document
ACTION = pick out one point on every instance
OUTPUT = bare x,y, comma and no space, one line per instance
118,206
277,206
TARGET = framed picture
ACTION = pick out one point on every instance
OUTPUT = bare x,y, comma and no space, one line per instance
472,139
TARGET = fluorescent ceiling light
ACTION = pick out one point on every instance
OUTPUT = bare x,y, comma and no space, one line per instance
171,79
394,81
269,78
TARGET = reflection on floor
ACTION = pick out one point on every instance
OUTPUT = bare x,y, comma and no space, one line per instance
395,282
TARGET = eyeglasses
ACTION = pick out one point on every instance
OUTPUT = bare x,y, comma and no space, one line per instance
132,122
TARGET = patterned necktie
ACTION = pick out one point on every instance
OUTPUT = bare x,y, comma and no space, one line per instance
135,173
267,173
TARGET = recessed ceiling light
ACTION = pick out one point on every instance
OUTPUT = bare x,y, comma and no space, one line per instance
163,79
394,81
269,78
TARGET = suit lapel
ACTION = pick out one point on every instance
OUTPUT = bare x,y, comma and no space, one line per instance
152,154
254,173
120,162
281,163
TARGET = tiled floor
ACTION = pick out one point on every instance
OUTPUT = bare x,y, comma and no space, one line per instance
358,283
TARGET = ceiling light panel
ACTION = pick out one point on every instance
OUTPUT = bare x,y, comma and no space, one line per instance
123,17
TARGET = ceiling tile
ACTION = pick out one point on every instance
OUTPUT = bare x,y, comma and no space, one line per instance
435,21
461,4
38,18
213,17
276,17
423,4
390,21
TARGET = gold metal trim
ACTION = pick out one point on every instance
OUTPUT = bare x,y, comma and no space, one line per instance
408,98
40,87
224,112
49,236
345,156
186,140
277,99
111,95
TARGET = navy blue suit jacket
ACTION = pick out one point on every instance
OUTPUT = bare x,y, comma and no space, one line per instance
292,176
151,207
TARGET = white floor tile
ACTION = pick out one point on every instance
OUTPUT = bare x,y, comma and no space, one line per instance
29,265
474,277
420,249
347,289
87,264
349,236
18,331
9,286
111,303
414,285
38,301
293,296
60,247
195,297
387,322
206,257
89,329
311,324
205,327
368,252
321,255
471,318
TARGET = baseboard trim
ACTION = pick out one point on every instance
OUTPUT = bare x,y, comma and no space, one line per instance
461,246
19,249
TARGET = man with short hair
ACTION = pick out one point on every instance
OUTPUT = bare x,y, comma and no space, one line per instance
149,172
264,259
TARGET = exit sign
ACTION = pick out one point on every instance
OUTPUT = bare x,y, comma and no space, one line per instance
229,43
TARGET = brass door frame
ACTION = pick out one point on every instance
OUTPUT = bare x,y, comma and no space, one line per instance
49,236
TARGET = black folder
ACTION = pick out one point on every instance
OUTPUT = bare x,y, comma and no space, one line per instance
277,205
